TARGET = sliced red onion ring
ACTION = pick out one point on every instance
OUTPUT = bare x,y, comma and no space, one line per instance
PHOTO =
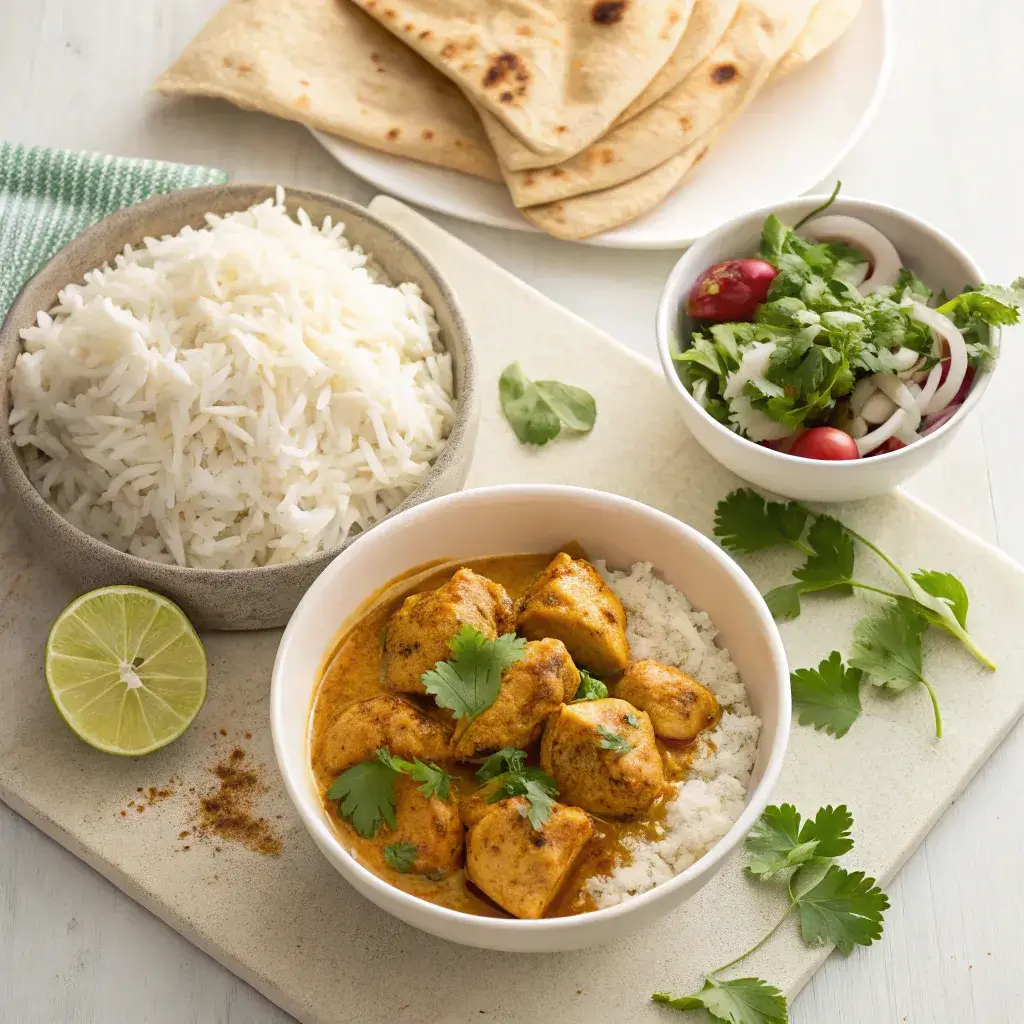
881,253
945,330
934,422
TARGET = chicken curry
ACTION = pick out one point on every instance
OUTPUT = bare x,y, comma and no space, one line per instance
481,738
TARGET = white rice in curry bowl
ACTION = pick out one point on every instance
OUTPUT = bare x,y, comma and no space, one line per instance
661,624
244,394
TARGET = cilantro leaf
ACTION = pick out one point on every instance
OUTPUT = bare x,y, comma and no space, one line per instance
998,310
539,803
613,741
508,759
784,602
887,646
433,781
744,521
468,683
909,281
401,856
590,688
774,842
830,566
537,411
830,830
828,697
948,588
844,908
508,775
366,796
737,1001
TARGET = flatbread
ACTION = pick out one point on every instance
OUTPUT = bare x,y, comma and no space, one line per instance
326,64
587,215
556,73
734,72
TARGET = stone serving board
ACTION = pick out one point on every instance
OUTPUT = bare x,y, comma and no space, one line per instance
290,926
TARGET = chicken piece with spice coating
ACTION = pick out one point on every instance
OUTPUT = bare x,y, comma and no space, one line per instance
678,706
522,868
420,632
429,824
532,688
385,721
603,757
570,601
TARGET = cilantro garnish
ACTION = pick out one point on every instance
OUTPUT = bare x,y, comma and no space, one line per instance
468,682
506,774
632,719
590,688
539,410
614,742
827,697
366,791
401,856
832,904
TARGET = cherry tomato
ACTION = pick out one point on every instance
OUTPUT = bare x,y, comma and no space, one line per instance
894,444
825,443
730,291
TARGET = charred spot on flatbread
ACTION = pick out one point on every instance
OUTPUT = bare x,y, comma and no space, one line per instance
722,74
608,12
508,70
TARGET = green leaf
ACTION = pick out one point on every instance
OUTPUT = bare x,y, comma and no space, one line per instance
887,646
526,409
829,829
845,908
366,796
590,688
744,521
613,741
508,759
507,775
434,781
401,856
539,802
784,602
737,1001
774,843
992,309
909,281
632,719
831,564
575,407
468,683
946,587
827,697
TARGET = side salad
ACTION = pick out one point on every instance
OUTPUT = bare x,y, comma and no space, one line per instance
825,346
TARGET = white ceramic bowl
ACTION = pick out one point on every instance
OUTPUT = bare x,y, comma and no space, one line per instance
510,520
937,260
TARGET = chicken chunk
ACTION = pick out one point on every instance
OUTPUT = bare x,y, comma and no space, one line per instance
419,633
473,807
570,601
384,721
430,824
519,867
531,689
603,757
678,706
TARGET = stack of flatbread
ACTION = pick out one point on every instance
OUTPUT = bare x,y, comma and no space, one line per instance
590,111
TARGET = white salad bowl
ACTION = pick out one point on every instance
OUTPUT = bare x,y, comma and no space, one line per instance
932,255
522,519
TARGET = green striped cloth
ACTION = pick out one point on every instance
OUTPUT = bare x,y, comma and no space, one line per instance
47,196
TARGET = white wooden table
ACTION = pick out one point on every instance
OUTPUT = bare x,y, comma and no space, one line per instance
946,145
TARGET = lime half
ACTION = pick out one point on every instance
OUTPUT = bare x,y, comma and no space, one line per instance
126,670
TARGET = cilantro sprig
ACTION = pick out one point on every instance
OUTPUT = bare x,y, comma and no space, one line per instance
469,681
366,791
887,643
833,906
614,742
590,688
506,774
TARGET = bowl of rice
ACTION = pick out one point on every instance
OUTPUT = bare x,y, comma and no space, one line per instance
212,393
687,604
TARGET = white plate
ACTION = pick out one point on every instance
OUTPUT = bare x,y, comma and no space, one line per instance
786,142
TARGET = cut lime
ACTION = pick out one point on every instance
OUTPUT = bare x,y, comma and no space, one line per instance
126,670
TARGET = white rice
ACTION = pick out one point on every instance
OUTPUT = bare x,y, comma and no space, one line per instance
661,624
244,394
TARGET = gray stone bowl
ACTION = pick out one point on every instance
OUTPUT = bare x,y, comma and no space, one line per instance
258,598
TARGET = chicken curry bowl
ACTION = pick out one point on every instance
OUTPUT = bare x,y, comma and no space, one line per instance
530,736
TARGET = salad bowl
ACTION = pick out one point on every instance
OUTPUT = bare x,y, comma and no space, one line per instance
936,259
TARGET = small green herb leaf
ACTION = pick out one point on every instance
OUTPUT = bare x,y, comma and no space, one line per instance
366,796
507,775
468,683
575,407
774,842
632,719
784,602
538,411
508,759
946,587
401,856
887,646
433,781
844,908
613,741
831,564
590,688
830,830
827,697
744,521
737,1001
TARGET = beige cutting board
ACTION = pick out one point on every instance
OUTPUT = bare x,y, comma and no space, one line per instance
292,928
